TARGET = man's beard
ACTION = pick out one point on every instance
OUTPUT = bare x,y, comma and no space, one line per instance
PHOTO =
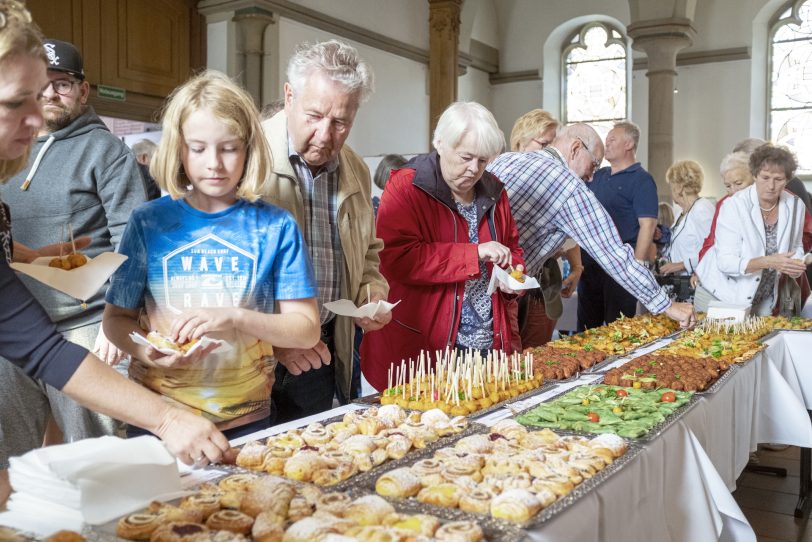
60,120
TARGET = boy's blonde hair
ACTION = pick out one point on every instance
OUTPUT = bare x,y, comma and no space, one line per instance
232,105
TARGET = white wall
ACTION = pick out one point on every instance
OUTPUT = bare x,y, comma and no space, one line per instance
474,86
395,119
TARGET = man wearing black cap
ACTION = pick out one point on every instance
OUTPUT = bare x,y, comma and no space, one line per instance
78,174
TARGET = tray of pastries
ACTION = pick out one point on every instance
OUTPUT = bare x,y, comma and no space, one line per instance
630,412
266,508
662,370
512,473
332,453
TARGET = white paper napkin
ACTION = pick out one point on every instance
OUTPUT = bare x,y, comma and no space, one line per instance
81,282
501,276
204,341
345,307
99,479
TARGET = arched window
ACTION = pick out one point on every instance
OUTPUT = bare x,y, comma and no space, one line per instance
790,89
595,76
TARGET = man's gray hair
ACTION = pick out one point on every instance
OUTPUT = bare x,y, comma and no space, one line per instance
461,118
631,130
748,145
337,60
144,146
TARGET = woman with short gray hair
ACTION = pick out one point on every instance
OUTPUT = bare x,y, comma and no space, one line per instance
445,222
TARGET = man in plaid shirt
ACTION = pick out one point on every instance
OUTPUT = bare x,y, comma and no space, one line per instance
326,186
550,202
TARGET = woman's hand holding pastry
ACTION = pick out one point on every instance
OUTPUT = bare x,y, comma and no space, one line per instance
191,438
786,263
495,252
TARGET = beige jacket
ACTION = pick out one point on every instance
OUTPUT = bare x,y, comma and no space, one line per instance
356,230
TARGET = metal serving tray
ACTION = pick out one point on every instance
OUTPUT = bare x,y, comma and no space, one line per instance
367,484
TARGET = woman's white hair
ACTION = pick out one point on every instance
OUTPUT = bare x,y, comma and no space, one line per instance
337,60
461,118
735,160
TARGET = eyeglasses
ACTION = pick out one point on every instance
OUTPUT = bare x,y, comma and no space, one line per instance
595,162
62,87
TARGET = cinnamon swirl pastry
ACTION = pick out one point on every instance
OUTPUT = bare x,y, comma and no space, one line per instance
315,435
207,504
477,501
230,520
459,531
334,503
139,526
237,482
429,471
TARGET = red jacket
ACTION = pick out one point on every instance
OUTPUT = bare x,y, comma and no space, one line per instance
427,258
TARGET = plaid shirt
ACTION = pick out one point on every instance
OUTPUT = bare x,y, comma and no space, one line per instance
320,200
550,203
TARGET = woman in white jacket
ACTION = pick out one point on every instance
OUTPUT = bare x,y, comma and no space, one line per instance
685,178
758,238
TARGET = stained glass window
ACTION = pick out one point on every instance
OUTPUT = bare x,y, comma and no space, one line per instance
595,77
791,83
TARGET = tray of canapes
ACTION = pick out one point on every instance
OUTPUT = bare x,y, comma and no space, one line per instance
730,343
776,324
460,383
512,473
333,452
621,336
265,508
664,370
635,413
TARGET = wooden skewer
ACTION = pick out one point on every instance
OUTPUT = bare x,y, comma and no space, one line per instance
72,240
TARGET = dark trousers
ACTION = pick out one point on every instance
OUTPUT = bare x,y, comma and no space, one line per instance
312,392
601,299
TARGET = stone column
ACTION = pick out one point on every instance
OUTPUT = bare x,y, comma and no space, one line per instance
661,40
251,24
444,38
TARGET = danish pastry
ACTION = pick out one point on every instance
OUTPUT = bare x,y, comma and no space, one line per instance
517,505
237,482
454,471
459,531
420,524
139,526
230,520
616,444
477,501
368,510
252,455
398,446
393,414
204,503
302,465
268,495
180,531
372,533
476,444
446,494
65,536
334,503
307,530
300,508
268,527
400,482
315,435
429,471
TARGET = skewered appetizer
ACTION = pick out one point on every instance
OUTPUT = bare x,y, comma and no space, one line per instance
270,509
459,384
328,455
511,474
667,371
627,412
71,261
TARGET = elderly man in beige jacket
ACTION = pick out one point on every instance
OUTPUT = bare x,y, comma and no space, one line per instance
326,186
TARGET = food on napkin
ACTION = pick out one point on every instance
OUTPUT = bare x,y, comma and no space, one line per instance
159,341
501,276
80,282
164,345
345,307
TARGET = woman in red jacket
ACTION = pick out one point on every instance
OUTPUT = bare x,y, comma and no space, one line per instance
445,222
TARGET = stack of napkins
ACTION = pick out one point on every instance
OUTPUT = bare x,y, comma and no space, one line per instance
90,481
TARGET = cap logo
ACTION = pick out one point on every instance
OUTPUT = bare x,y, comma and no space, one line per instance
50,51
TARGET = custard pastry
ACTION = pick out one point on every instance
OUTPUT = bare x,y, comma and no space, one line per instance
459,531
368,510
517,505
302,465
420,524
400,482
446,494
230,520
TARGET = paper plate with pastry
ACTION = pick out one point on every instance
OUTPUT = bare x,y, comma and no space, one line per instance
74,274
515,279
165,345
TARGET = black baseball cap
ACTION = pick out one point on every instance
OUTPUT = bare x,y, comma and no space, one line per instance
64,57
